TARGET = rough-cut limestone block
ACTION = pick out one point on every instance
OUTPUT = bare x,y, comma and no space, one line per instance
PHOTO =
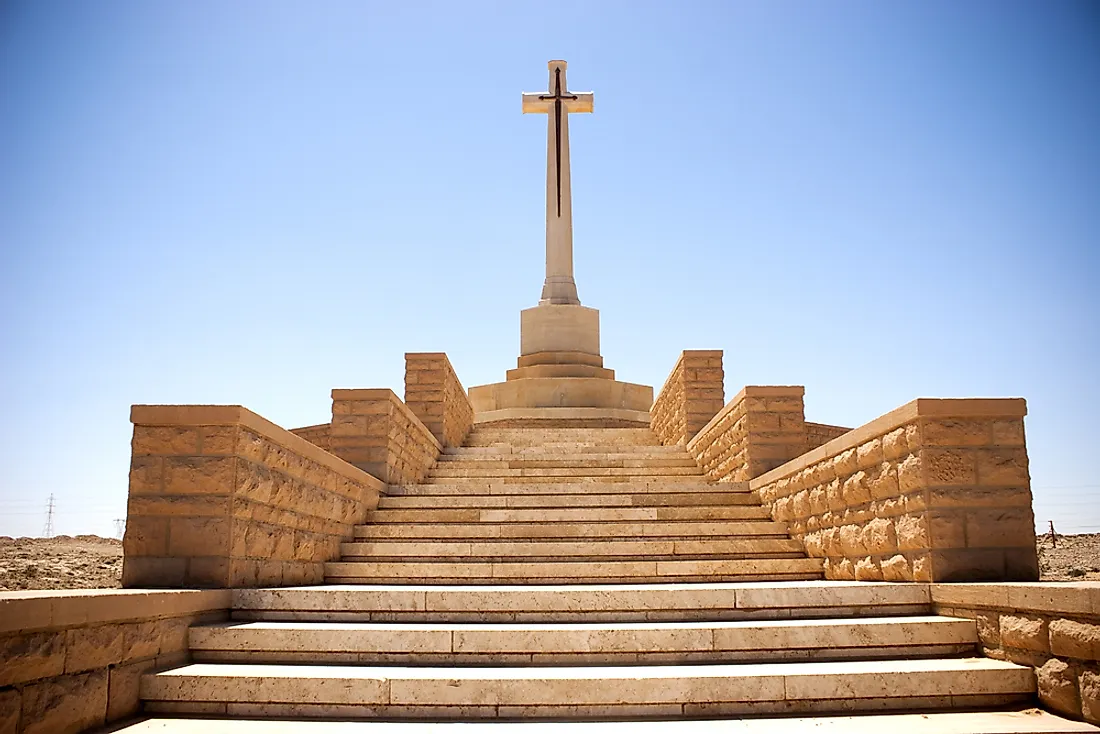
1090,695
867,570
1027,633
1057,687
896,568
1075,639
70,703
1002,466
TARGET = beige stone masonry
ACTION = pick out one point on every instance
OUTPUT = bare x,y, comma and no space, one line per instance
375,431
760,429
435,395
691,396
319,435
220,497
937,490
818,434
72,660
1055,628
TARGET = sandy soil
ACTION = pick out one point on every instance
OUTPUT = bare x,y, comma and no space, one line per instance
62,562
91,562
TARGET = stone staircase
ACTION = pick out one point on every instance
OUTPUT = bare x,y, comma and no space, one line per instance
585,573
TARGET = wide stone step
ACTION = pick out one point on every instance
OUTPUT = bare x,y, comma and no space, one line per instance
561,500
565,530
488,486
1026,721
692,480
556,461
509,549
582,692
598,602
577,449
573,571
449,469
574,514
620,643
610,437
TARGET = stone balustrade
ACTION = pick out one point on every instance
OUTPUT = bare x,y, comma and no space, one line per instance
691,396
761,428
220,497
819,434
435,395
73,660
375,431
319,435
1053,627
937,490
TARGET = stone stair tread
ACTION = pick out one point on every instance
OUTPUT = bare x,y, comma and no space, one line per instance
488,487
513,548
585,514
491,691
562,501
684,530
1032,721
764,639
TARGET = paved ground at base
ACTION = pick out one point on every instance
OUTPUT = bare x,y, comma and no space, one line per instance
996,722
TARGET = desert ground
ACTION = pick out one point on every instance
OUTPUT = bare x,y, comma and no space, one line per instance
91,562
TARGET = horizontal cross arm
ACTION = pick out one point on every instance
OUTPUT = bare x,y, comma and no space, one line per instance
538,102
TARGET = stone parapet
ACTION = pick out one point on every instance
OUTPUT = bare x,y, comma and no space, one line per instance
73,660
1053,627
375,431
937,490
760,429
690,397
435,395
220,497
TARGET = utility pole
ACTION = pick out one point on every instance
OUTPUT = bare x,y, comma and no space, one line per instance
47,532
1053,537
120,527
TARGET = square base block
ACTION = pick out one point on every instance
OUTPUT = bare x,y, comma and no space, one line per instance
561,392
559,328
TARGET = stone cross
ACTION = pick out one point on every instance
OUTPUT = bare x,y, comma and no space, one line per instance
559,287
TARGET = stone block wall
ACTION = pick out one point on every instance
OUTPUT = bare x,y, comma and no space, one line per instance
760,429
819,434
376,432
73,660
435,395
320,435
220,497
937,490
691,395
1055,628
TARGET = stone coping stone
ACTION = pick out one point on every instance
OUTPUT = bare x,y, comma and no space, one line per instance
969,722
919,408
24,611
1080,598
232,415
536,414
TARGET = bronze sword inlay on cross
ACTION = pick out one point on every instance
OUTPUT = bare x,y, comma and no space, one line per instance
557,96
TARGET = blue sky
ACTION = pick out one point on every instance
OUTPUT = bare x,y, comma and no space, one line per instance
255,202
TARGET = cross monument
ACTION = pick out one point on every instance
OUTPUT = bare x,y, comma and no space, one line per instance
559,287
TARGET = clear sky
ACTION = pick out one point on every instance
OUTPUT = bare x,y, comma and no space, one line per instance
253,202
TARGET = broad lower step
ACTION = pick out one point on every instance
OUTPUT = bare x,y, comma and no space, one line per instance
687,530
1023,721
445,469
580,692
618,643
512,549
603,460
589,603
574,572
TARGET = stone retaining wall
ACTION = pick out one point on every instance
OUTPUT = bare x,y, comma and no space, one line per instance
691,396
220,497
73,660
435,395
819,434
937,490
375,431
320,435
1053,627
760,429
